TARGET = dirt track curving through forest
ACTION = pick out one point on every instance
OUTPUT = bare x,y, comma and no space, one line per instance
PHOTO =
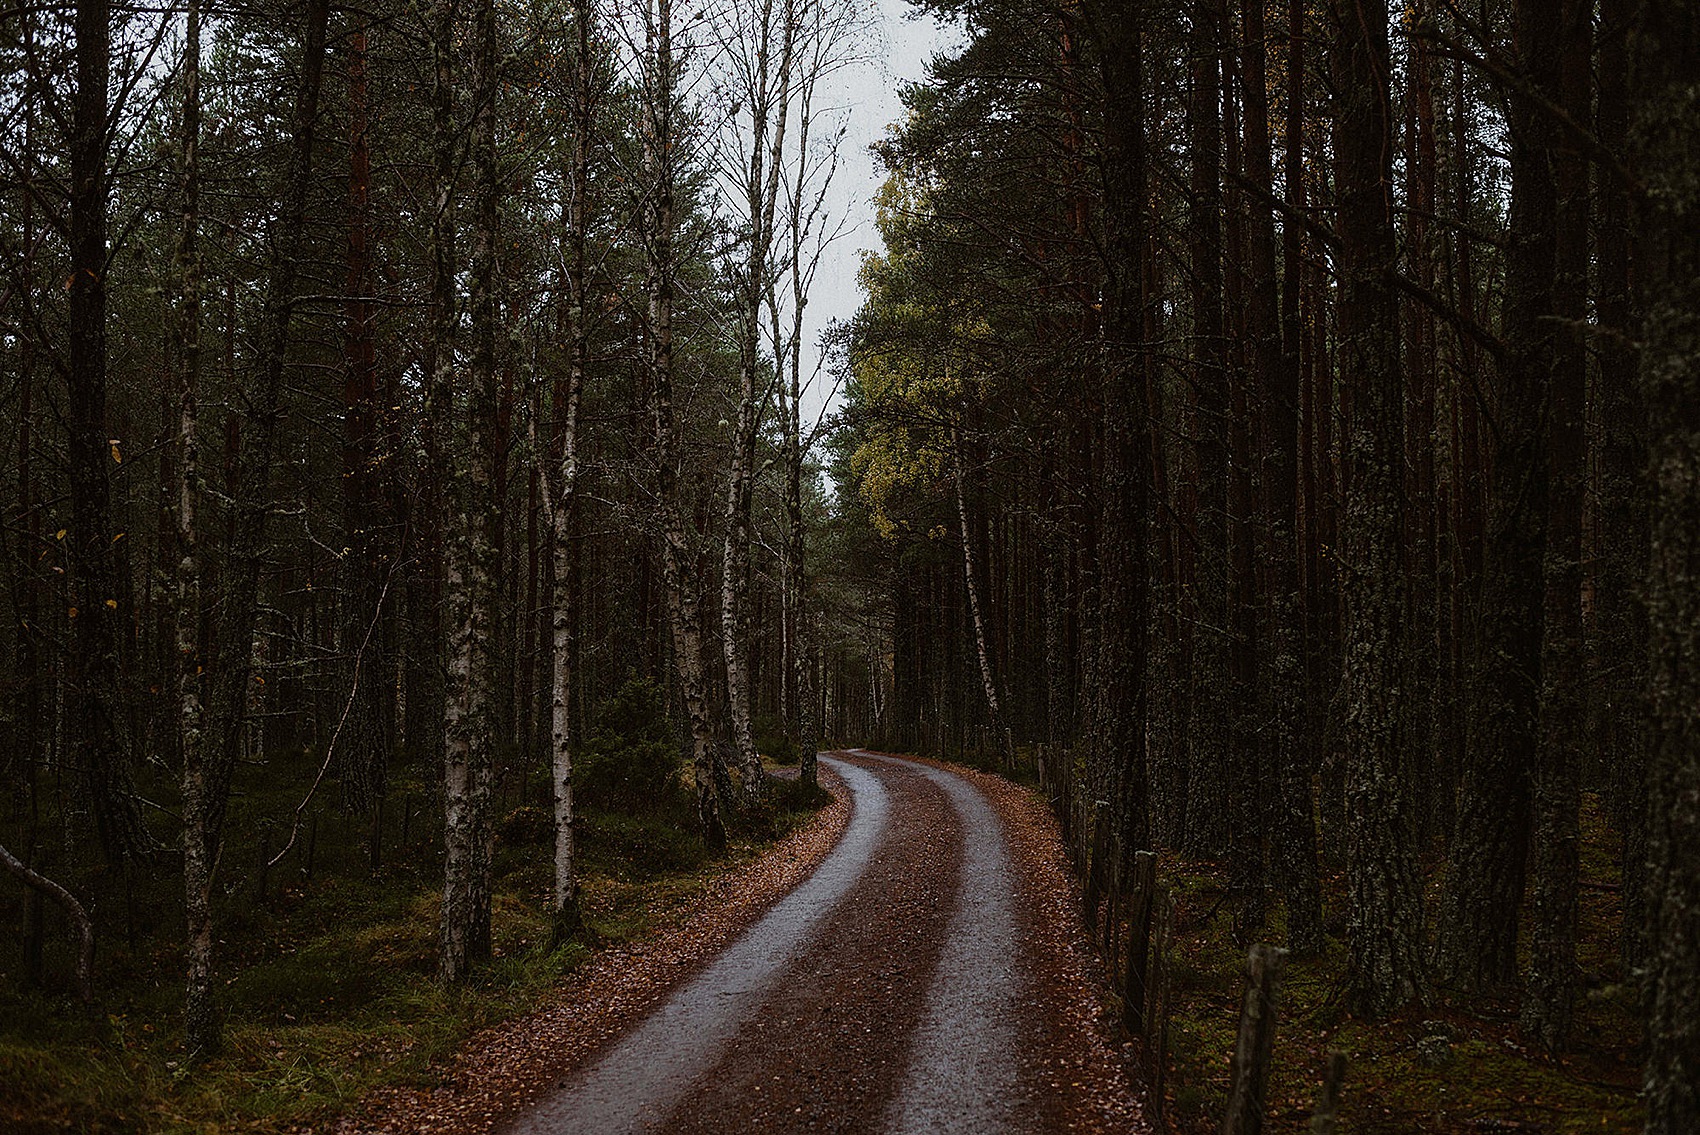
926,977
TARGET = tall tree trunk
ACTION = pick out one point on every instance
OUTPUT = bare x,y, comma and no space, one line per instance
1384,893
471,554
365,735
1208,736
1276,370
100,747
28,643
1116,705
1245,767
560,491
200,1025
1665,133
976,610
769,93
684,601
1553,974
466,451
1619,657
1476,943
1422,376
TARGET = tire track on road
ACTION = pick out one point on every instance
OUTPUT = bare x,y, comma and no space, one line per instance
641,1079
828,1048
962,1075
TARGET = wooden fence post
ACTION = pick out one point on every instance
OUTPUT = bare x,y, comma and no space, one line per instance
1157,1013
1134,1000
1327,1114
1250,1074
1095,872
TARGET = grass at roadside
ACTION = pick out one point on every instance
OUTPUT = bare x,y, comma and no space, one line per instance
1478,1076
330,977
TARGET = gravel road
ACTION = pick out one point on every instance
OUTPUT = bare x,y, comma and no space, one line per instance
914,982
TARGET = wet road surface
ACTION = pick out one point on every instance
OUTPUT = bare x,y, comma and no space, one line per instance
891,991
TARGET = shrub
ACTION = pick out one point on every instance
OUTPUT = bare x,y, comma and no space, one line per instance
527,826
630,761
773,743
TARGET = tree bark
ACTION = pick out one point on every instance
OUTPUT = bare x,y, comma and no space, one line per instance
1665,137
1207,731
73,909
560,491
1619,654
1276,372
465,433
100,746
1384,895
976,610
1550,990
366,736
684,605
1476,940
1116,707
768,93
200,1026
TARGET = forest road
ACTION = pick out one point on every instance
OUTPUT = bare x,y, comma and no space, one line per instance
901,988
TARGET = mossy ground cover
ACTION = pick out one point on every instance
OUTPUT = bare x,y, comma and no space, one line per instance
1482,1077
329,978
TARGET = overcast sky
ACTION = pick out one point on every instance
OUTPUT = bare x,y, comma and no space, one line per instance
898,56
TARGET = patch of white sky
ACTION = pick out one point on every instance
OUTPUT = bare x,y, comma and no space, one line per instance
902,43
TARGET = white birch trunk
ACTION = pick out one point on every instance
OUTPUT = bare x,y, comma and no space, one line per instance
987,682
73,909
768,92
199,1014
465,456
560,493
683,593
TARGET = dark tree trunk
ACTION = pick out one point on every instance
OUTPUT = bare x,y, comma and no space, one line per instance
1476,944
1664,74
1117,709
1553,974
100,746
1208,734
364,736
1293,833
1384,895
1619,654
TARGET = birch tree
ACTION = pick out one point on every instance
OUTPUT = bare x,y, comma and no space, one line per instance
829,38
200,1013
560,483
470,564
659,228
759,47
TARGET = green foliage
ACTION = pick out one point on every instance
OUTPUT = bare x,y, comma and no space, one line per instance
330,983
773,743
635,847
630,761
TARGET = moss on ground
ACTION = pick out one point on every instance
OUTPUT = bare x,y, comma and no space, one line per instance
330,983
1482,1078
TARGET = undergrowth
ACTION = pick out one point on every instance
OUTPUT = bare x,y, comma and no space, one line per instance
329,976
1479,1076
